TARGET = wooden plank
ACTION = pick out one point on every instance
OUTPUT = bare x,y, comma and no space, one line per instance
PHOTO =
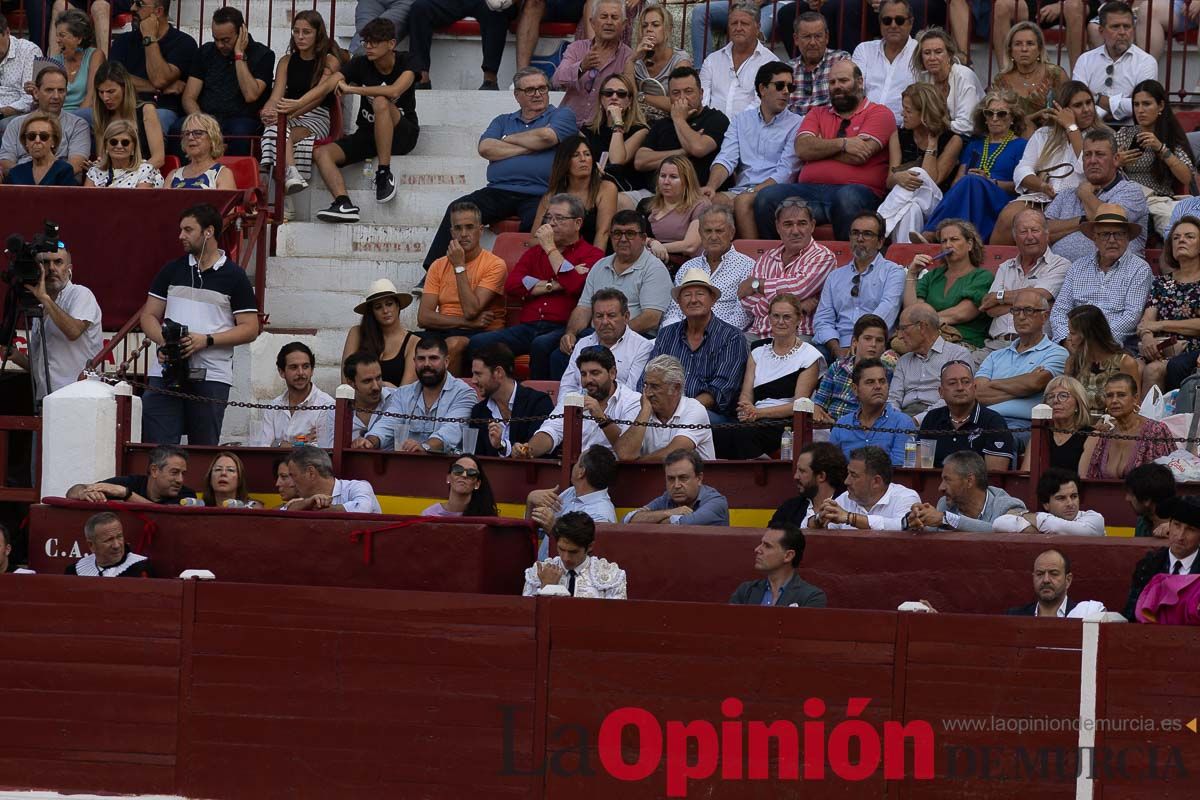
131,679
88,705
100,773
109,650
58,735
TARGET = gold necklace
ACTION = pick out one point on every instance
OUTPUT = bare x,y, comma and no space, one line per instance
988,160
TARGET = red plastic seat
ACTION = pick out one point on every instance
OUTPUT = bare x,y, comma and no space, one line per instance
902,254
170,164
245,170
754,247
1188,120
121,20
549,387
824,233
510,247
510,225
994,255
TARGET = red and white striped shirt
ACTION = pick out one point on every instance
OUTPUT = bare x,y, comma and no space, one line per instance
803,276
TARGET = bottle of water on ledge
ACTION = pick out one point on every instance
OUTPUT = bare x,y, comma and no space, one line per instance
910,454
785,445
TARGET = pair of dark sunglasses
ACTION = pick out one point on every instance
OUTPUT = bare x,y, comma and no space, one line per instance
459,469
783,86
621,93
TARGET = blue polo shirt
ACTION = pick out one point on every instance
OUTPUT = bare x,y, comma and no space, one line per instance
893,443
1008,363
530,173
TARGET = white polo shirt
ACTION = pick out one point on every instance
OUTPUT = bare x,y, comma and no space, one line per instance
690,411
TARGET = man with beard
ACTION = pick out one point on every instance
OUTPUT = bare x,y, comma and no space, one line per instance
871,501
610,328
776,558
1051,580
844,150
1116,66
871,386
109,557
293,420
435,393
964,415
692,130
606,400
503,398
362,371
820,475
162,484
869,284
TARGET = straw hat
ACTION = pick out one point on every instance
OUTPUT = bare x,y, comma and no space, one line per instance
695,277
380,289
1111,214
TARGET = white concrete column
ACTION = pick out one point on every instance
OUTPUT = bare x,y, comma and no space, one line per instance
79,434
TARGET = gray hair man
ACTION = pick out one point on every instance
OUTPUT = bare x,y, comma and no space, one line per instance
312,474
675,421
725,266
109,557
1035,267
162,483
918,373
967,502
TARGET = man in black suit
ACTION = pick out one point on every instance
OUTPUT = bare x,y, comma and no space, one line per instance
776,557
1051,579
820,475
1179,557
504,398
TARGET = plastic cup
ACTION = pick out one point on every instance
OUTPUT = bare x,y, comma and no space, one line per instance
470,437
925,452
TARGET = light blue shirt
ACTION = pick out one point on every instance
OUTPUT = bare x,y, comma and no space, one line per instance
880,290
710,508
1188,207
754,151
596,505
891,443
1009,363
1120,293
454,401
527,173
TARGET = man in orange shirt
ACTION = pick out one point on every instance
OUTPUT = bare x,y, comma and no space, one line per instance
464,292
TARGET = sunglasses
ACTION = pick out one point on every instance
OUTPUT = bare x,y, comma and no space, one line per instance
900,20
1109,72
119,142
38,136
1001,114
855,284
459,469
783,86
194,133
621,93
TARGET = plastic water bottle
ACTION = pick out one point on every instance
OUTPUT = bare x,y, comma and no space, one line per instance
910,454
785,445
233,502
369,168
191,501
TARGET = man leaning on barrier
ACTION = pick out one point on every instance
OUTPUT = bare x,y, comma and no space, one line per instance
820,475
667,420
311,469
588,493
162,484
687,501
967,502
871,501
1051,580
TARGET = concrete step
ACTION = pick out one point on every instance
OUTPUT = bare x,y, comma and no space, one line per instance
418,207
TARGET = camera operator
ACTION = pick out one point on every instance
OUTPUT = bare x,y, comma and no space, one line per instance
213,298
69,328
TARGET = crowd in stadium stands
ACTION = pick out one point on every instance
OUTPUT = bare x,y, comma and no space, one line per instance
631,290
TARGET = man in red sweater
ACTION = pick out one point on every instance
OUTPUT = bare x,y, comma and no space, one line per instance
548,278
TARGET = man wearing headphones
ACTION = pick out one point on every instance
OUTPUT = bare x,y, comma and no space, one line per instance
213,298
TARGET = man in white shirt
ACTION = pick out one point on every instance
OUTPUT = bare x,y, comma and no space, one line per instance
606,399
1051,579
16,70
886,63
1058,494
871,501
312,475
303,415
67,335
610,328
575,572
1115,67
362,371
664,405
727,75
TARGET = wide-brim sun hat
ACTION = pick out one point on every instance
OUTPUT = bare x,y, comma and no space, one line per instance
380,289
1111,214
695,277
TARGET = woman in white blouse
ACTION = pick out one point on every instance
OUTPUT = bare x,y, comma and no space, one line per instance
120,165
936,61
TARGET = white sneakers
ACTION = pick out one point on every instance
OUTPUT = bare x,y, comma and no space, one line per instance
293,181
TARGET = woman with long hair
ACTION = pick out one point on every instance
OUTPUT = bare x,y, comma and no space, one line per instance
984,184
576,172
1026,72
654,57
469,495
120,165
116,98
225,482
311,57
75,51
1071,420
1105,457
956,287
675,210
41,134
1053,159
203,145
1094,355
936,61
922,155
382,332
1169,332
617,129
1154,152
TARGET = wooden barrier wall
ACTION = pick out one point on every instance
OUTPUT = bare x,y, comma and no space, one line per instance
246,691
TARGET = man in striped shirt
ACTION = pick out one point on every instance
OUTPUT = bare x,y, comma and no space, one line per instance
798,266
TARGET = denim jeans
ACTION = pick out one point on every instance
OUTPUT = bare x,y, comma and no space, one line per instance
538,339
831,204
166,419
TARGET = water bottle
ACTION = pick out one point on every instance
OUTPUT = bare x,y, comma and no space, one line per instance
191,501
910,454
369,168
233,502
785,445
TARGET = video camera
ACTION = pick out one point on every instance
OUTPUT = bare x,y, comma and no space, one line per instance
176,369
24,271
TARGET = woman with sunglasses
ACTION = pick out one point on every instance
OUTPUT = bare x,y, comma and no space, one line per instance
1154,152
1169,332
1027,73
1095,356
470,494
1053,159
225,483
923,154
120,165
116,98
984,184
617,130
576,172
675,210
41,134
1071,422
653,59
203,145
1144,439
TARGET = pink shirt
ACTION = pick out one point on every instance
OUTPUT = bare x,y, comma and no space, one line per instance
803,276
871,121
583,91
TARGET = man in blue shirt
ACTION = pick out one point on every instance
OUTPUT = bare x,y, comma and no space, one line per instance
870,381
435,393
588,493
519,148
687,501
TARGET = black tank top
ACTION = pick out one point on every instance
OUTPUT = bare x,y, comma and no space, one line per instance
393,368
300,81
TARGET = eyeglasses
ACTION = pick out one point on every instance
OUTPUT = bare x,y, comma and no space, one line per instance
861,234
534,91
991,114
554,219
38,136
900,20
119,142
614,235
1025,311
459,469
783,86
1058,397
906,326
621,93
194,133
1112,235
782,317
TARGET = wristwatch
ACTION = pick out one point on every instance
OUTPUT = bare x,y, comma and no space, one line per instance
1000,296
148,40
209,340
756,284
459,270
1073,128
239,56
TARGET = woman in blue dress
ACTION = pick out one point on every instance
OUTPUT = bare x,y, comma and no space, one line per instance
41,135
984,185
